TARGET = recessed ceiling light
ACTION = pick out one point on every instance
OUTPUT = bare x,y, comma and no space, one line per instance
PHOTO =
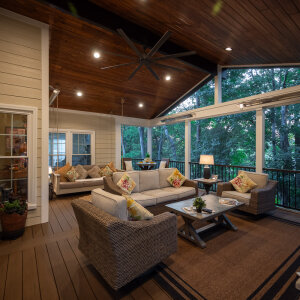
168,77
97,54
228,49
141,105
79,93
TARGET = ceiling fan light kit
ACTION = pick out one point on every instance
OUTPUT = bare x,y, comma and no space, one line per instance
147,59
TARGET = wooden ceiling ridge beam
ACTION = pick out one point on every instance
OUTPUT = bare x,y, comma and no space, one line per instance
96,15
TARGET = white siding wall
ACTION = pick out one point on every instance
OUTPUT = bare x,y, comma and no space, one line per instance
20,80
104,128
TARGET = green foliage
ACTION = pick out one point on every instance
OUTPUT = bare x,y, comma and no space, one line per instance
16,206
199,203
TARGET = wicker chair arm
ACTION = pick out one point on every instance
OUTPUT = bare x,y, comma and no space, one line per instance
191,183
266,191
224,186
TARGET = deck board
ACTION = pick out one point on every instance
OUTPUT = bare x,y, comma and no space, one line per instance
3,273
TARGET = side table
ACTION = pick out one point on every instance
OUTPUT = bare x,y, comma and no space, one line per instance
208,183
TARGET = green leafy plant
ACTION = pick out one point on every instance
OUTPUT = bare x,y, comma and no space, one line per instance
148,155
16,206
199,203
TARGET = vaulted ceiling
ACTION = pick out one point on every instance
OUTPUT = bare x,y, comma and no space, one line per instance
259,31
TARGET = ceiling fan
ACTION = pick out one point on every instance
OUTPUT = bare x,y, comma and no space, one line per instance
147,59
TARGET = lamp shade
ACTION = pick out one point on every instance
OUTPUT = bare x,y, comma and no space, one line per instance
206,160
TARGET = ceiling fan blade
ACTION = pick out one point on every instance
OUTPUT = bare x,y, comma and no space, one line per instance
151,70
129,42
133,73
120,65
159,44
169,67
174,55
118,54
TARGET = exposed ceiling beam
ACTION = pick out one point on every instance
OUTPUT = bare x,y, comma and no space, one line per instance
99,16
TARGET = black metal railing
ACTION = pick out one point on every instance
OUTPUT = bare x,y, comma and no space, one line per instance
288,188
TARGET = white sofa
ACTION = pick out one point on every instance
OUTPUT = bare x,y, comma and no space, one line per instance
152,188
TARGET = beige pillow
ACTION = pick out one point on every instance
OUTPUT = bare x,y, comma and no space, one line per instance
136,212
94,172
63,172
82,172
242,183
72,175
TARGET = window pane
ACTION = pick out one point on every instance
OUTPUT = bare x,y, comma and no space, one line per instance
134,143
5,122
81,159
20,124
5,168
19,145
19,168
5,145
20,188
61,160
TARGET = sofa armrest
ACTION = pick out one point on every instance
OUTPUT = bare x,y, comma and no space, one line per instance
265,195
224,186
191,183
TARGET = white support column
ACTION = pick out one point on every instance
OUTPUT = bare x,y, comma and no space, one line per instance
118,144
187,140
218,86
149,141
260,140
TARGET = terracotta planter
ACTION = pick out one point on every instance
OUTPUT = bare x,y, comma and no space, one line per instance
13,225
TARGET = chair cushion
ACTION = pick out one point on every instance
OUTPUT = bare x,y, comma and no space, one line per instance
163,175
128,165
243,197
136,211
94,172
176,179
242,183
162,164
161,195
110,203
149,180
261,179
126,183
63,172
133,174
143,199
82,172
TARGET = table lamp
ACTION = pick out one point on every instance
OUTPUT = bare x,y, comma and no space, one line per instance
206,160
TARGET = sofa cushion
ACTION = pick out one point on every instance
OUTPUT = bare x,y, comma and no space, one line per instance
136,211
80,183
242,183
161,195
110,203
176,179
82,172
163,176
143,199
63,172
94,172
133,174
182,192
243,197
149,180
126,183
261,179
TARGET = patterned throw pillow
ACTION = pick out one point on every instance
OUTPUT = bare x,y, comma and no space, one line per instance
63,172
112,167
94,172
72,175
136,212
126,184
176,179
106,171
82,172
242,183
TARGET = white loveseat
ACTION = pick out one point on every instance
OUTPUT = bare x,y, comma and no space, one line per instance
152,188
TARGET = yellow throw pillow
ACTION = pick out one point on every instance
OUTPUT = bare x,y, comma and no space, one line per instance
126,183
242,183
176,179
112,167
63,172
136,211
72,175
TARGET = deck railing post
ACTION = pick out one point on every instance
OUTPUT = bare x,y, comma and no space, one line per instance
187,140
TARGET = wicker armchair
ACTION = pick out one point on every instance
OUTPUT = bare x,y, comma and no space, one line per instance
258,201
123,250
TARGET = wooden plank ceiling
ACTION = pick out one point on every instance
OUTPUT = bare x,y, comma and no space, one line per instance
259,31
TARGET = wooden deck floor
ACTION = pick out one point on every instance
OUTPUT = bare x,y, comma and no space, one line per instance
45,263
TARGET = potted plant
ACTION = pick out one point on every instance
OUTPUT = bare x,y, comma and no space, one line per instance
13,215
147,158
199,203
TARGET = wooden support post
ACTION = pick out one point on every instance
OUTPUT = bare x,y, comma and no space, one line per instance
260,140
149,141
118,144
218,86
187,148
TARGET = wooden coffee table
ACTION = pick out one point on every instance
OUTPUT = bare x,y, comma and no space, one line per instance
217,217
